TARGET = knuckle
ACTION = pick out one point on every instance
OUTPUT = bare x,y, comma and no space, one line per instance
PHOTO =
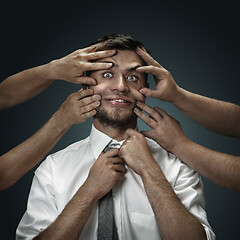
151,68
79,65
134,138
71,97
167,73
83,109
95,54
81,54
84,101
151,60
79,51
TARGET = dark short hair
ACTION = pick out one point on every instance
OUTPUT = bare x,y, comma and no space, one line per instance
120,42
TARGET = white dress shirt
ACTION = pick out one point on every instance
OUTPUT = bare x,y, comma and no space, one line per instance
59,177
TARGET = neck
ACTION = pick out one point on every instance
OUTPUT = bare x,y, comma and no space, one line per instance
113,132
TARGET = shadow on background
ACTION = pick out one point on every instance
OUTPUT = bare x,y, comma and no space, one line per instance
197,41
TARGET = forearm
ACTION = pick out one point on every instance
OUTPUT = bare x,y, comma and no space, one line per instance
174,220
25,85
220,168
218,116
15,163
73,218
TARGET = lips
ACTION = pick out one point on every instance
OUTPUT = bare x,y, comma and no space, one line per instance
118,101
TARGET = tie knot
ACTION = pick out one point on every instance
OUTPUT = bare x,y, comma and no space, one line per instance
113,144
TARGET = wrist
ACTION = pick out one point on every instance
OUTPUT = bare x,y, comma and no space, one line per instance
178,96
52,69
46,71
93,192
181,144
147,170
152,175
60,123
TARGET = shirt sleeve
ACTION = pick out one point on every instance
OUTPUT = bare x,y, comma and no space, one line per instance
189,189
41,208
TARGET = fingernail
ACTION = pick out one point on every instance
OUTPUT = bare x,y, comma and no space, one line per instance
90,91
138,49
136,110
97,97
139,103
97,103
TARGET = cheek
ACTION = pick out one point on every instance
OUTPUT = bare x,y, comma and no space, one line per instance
100,87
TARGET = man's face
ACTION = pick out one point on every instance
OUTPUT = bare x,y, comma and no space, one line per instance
119,87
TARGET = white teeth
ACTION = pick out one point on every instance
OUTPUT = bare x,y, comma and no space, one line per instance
118,100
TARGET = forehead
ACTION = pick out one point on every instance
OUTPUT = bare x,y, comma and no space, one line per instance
124,59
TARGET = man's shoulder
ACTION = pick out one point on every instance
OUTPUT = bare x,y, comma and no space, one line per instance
154,146
71,148
68,153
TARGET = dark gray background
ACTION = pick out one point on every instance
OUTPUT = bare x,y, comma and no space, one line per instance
197,41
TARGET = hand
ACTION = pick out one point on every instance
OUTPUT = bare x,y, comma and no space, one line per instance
105,173
165,129
166,88
71,68
136,153
78,107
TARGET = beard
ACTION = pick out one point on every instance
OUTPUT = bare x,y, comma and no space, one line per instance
116,118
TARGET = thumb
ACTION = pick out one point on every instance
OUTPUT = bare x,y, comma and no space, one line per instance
85,80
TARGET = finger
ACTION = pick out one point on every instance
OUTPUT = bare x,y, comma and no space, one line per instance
83,93
94,47
101,54
112,153
119,168
156,71
84,102
80,94
150,111
161,111
90,107
149,93
147,57
85,80
148,120
130,132
97,66
116,160
89,114
147,133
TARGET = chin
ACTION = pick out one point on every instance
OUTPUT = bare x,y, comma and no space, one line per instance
116,118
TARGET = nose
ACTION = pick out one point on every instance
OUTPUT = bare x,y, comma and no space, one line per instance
120,84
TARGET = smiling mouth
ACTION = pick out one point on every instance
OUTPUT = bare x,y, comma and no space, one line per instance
118,100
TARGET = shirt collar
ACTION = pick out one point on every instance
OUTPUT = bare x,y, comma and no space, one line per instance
98,141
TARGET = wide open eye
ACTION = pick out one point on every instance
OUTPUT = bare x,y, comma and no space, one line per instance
107,75
132,78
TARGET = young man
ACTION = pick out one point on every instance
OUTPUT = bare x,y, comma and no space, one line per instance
154,194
